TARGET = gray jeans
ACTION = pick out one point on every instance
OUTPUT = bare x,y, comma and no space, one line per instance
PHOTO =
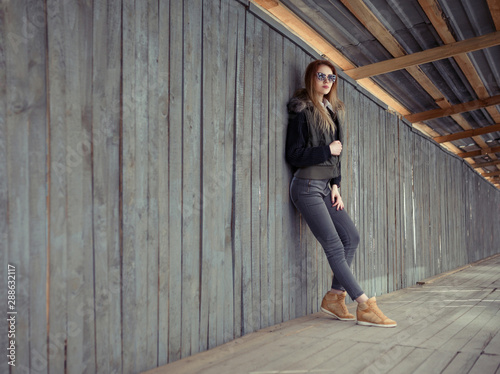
333,228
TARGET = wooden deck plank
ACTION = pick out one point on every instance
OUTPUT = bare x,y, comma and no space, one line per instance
461,363
411,362
493,346
370,353
435,363
322,356
486,364
322,349
389,359
261,356
447,317
490,328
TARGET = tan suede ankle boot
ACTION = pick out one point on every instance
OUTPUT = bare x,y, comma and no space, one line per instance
334,305
369,314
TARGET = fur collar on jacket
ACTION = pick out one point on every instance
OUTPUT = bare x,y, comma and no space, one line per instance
297,104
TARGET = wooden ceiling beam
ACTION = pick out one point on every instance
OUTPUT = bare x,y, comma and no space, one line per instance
491,174
429,55
479,153
467,133
454,109
364,15
485,164
494,6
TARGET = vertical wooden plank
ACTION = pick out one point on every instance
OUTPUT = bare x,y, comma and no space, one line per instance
4,191
106,120
175,179
391,203
381,204
409,207
399,255
211,249
417,181
163,116
274,127
57,188
80,353
142,330
18,179
364,254
244,144
256,36
350,184
191,178
129,318
37,119
149,59
286,237
230,22
106,178
219,92
304,253
278,181
370,147
420,207
239,176
265,300
134,185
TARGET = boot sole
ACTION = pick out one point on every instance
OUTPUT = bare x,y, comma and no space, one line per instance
334,315
374,324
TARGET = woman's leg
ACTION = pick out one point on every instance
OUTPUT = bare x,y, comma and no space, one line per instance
348,235
311,199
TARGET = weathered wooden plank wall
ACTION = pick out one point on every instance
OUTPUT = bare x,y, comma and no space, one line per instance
144,192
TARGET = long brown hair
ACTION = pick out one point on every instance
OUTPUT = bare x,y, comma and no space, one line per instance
321,116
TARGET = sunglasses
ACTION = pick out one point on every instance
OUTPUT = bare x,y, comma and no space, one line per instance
331,77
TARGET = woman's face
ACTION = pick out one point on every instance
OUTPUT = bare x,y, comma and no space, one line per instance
323,87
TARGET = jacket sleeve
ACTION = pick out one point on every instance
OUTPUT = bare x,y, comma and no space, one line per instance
297,152
336,181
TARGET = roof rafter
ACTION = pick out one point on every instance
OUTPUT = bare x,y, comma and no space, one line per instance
467,133
454,109
480,152
491,174
429,55
494,6
485,164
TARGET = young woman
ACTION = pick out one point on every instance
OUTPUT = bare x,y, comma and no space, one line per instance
313,148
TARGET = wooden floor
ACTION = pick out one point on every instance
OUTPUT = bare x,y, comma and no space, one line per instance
450,324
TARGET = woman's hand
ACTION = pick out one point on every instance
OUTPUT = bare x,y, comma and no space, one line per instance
335,147
336,198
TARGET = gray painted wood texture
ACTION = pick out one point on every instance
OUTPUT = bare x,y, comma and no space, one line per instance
144,191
